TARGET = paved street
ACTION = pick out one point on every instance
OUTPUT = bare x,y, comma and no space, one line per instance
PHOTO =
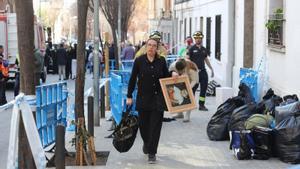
182,145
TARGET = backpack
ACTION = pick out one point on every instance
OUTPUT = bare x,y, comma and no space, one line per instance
242,144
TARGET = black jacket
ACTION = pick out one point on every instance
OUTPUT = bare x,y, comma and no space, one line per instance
61,56
149,95
198,55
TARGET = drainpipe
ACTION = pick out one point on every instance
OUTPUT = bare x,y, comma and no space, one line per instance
232,3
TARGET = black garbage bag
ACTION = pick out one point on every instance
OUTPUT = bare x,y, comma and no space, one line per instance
263,142
269,102
245,92
240,115
287,137
285,110
217,128
291,97
125,133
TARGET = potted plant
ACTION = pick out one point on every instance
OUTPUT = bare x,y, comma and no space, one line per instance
273,23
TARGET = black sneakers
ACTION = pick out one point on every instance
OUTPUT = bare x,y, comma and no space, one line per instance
202,108
151,159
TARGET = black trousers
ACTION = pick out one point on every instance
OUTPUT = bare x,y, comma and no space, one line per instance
150,123
17,84
203,80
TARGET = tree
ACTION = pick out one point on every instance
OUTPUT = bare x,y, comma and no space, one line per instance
82,6
25,28
110,10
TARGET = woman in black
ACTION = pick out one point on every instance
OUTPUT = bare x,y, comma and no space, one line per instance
150,104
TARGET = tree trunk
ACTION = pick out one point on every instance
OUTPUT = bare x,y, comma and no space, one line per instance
25,28
116,48
82,6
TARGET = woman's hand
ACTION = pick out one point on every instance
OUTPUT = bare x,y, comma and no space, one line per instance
129,101
175,74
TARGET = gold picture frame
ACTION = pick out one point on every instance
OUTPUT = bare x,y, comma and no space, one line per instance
178,94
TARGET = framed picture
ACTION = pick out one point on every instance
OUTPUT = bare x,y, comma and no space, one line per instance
178,94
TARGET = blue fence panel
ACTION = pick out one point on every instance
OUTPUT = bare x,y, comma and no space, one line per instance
112,65
250,78
170,60
118,93
116,96
127,64
51,109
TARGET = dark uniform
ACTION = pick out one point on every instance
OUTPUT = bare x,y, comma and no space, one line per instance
149,102
198,55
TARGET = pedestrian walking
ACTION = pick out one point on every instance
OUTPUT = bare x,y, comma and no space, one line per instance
150,104
184,51
69,62
198,54
128,52
39,65
184,67
61,61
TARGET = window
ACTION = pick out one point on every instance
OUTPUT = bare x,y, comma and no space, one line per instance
195,26
180,30
184,29
275,28
190,33
208,33
275,23
201,23
218,38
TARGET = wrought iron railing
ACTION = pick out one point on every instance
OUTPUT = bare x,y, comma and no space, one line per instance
275,29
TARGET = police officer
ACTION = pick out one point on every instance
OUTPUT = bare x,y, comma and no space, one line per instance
198,54
161,50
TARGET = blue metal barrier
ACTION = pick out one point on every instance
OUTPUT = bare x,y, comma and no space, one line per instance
51,109
116,96
170,60
118,93
112,65
250,78
127,64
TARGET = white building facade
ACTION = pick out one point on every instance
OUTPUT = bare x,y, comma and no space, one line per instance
278,52
245,40
215,19
160,19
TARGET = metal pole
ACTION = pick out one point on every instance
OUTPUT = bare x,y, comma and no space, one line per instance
60,147
90,115
119,33
96,63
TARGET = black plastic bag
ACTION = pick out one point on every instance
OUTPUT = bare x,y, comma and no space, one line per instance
281,112
269,102
263,143
245,92
287,136
125,133
217,128
240,115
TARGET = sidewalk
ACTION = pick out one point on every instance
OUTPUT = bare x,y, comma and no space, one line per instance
182,146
